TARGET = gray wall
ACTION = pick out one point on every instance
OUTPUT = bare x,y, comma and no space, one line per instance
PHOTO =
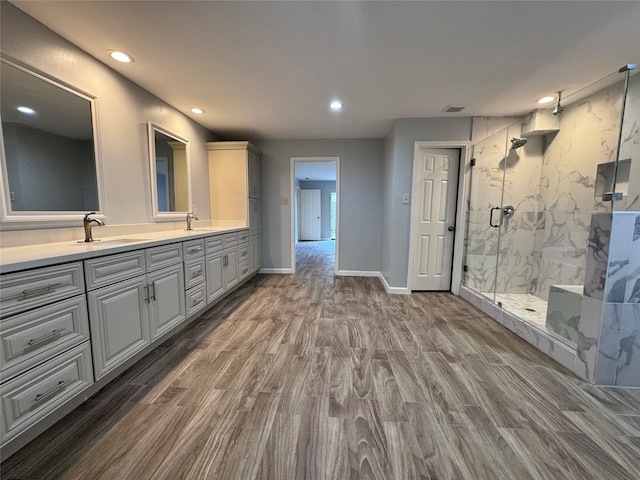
325,187
360,199
398,169
124,109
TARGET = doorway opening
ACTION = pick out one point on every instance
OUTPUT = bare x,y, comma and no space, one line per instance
315,205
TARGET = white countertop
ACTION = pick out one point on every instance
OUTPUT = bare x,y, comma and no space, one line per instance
13,259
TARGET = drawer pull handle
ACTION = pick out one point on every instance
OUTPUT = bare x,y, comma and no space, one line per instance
146,293
46,337
62,384
153,289
195,250
198,300
197,273
34,292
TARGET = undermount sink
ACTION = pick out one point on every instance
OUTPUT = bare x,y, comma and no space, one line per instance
111,242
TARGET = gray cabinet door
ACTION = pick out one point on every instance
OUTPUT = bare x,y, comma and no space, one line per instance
118,316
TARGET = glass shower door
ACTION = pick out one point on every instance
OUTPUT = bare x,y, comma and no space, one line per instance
484,214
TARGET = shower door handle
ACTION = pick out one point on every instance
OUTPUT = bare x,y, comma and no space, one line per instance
491,217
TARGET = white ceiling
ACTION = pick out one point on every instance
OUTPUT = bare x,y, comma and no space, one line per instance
269,69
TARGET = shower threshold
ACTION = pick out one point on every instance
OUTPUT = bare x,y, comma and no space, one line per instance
528,308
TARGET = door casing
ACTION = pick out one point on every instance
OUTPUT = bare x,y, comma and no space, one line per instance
292,203
458,246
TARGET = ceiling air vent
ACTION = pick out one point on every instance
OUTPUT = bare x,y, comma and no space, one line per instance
454,108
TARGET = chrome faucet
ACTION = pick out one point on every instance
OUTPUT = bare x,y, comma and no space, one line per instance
88,224
190,216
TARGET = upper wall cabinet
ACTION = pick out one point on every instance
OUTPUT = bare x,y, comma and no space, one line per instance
234,177
50,164
170,174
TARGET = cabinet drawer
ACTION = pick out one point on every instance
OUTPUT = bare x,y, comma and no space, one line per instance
158,257
243,237
32,337
194,272
196,298
243,253
214,244
113,268
230,240
244,270
31,396
22,291
193,249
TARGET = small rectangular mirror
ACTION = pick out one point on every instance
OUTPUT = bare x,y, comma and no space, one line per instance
170,173
50,170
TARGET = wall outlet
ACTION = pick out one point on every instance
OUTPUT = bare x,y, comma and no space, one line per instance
405,198
194,209
284,200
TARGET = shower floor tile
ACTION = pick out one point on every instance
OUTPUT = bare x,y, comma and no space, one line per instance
529,308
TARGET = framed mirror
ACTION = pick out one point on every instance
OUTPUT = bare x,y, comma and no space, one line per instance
50,164
170,173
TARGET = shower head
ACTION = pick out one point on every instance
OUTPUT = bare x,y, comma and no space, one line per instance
558,110
517,143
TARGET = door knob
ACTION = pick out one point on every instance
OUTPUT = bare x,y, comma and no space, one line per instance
451,228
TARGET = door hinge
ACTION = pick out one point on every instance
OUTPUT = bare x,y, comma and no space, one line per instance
472,163
465,268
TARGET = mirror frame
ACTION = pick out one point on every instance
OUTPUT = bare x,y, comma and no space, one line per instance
158,215
55,218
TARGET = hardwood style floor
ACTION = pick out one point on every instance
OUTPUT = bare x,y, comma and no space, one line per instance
308,377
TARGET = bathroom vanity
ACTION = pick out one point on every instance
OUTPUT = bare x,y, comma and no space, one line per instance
75,316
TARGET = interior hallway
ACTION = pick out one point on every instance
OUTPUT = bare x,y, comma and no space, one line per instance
308,376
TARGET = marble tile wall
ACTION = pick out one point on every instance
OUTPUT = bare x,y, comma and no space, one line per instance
588,136
608,350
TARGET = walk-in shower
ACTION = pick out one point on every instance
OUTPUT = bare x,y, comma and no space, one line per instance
534,187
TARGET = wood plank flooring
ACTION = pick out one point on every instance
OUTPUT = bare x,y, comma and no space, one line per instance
309,377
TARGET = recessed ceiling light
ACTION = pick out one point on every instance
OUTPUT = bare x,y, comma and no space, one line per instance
197,111
545,100
335,105
27,110
121,56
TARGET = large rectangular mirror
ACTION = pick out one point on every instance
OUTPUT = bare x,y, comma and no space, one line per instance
170,174
50,169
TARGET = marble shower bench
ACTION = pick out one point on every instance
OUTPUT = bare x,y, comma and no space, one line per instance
563,311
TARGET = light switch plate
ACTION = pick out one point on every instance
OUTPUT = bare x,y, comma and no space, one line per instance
405,198
284,200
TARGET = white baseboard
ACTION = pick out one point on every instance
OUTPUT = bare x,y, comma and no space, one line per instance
357,273
276,271
393,290
348,273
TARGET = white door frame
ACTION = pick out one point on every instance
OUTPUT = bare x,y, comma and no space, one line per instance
292,193
458,246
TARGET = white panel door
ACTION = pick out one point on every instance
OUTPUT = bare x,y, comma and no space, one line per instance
310,215
435,182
